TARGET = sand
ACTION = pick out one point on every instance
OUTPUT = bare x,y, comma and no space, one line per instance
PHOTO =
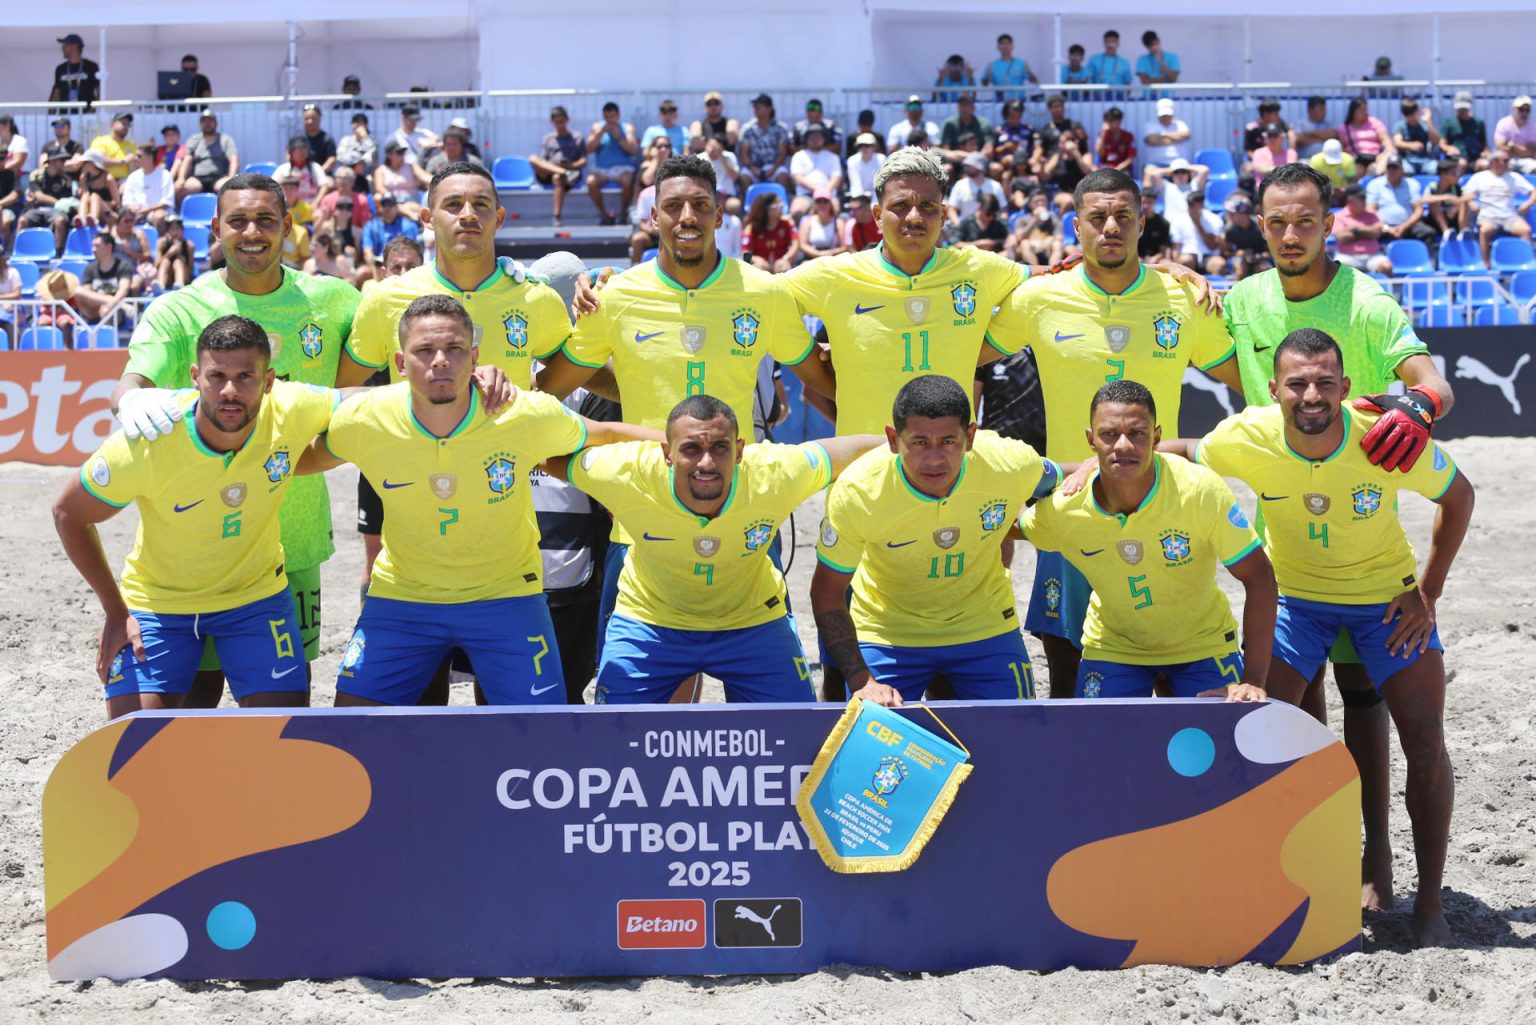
49,623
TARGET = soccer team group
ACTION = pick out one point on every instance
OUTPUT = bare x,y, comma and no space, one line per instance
910,591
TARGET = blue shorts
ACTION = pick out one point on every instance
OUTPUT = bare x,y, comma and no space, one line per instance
1097,678
995,669
643,664
1306,630
398,645
1059,603
258,644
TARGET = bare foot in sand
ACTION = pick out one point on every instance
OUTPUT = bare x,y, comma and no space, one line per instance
1376,882
1430,928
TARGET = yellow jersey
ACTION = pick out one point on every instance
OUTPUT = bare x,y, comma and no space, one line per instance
110,147
668,342
458,523
1084,337
208,537
928,571
1331,526
689,572
515,324
1153,572
886,326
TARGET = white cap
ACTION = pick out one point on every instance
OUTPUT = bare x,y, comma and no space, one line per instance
1521,101
459,122
1333,152
1178,164
1164,106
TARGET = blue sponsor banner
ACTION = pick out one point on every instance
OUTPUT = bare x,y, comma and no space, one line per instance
581,842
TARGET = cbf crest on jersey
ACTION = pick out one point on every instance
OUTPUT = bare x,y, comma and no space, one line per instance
994,514
501,473
916,308
1165,332
1175,548
963,296
1117,337
277,466
311,340
515,323
758,534
744,325
1367,499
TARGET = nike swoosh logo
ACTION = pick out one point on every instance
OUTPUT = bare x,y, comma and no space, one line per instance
900,544
399,484
867,309
194,505
1086,552
647,536
279,675
536,691
1067,338
644,338
1272,498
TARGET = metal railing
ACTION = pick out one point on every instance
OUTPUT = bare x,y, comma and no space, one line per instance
111,332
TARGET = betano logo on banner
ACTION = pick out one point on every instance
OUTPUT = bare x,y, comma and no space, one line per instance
55,406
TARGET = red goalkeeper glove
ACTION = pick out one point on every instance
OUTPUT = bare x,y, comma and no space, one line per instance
1402,434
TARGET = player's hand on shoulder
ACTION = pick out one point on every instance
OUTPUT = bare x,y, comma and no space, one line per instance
1402,434
496,391
879,693
1206,297
584,299
1078,479
148,412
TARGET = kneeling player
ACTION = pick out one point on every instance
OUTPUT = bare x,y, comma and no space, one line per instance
206,561
460,565
698,593
1147,533
1343,562
915,527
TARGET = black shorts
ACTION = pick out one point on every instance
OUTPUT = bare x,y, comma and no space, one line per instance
208,181
370,508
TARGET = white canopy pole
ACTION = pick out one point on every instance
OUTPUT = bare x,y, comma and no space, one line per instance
1056,48
1434,55
291,86
1247,49
101,52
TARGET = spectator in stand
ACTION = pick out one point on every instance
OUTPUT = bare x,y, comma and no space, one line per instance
715,125
1269,114
105,282
984,227
815,117
862,166
656,153
1200,237
666,125
173,256
646,235
769,238
866,127
358,148
764,147
384,229
1109,68
1166,138
1068,158
73,151
1115,147
312,179
919,138
211,159
1075,72
51,196
965,122
1515,134
328,259
969,190
900,132
1008,70
296,245
455,151
171,154
560,159
299,209
956,71
202,89
1156,241
76,79
1395,198
1246,247
396,176
1274,152
14,148
1359,233
1447,209
1048,139
12,202
1156,66
861,230
416,143
1416,138
322,148
1317,130
118,149
10,288
728,234
821,233
727,173
1491,199
1012,143
1340,167
1174,184
133,245
58,288
348,198
99,196
352,87
815,167
1365,138
1036,236
335,214
1383,71
148,192
1464,137
614,147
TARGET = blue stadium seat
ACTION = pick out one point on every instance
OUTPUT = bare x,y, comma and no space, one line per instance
1217,191
152,236
1476,292
1014,219
1459,256
648,255
73,265
1511,254
41,339
265,167
1523,286
1443,316
34,245
1069,228
761,187
1219,161
1420,295
1409,257
78,243
1496,316
29,272
99,336
198,209
512,174
1426,182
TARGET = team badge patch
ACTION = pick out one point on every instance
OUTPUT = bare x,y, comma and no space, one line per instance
1316,504
744,326
946,537
963,296
888,775
706,547
916,308
1117,337
232,495
354,656
275,343
1165,331
693,338
311,340
101,473
115,673
501,473
1052,598
277,466
1236,518
1130,551
1175,547
1440,462
758,534
1367,500
994,514
828,533
443,484
1092,685
516,326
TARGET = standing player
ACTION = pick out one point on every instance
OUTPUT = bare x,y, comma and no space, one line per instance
698,593
1107,320
1306,289
207,563
460,565
1343,564
307,321
1147,533
915,528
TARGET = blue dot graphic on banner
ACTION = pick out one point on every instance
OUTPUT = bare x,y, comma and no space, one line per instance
231,925
1191,752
